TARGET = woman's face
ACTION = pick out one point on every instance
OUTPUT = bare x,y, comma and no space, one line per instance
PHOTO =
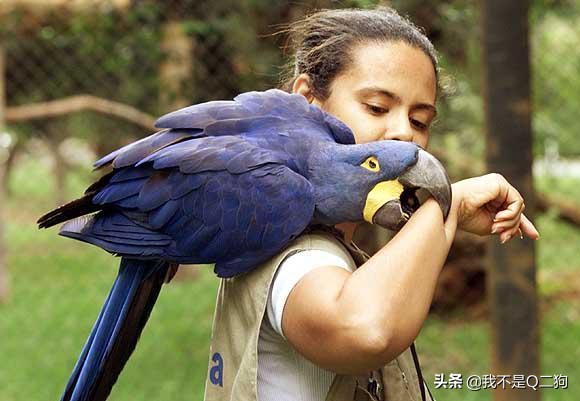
388,92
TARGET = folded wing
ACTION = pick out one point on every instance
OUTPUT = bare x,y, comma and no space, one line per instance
259,115
219,200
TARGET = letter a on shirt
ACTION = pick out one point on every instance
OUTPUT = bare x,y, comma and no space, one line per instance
216,372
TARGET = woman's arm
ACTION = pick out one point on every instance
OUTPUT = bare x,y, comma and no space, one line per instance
351,323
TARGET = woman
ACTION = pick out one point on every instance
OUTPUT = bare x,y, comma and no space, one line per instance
321,325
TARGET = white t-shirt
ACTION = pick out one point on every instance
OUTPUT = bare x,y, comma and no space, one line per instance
284,374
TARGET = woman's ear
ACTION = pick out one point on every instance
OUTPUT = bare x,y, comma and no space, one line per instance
302,85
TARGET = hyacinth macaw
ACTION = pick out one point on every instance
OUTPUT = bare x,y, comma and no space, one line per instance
229,183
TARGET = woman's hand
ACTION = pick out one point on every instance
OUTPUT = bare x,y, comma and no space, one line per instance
490,205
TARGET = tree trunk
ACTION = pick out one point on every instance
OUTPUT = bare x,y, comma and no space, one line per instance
512,272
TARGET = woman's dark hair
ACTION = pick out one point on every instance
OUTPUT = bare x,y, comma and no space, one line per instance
322,42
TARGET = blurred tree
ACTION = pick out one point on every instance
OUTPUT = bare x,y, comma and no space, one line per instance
511,275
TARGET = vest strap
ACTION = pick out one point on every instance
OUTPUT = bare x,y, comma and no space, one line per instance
422,382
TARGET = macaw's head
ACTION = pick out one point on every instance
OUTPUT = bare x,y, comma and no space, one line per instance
380,182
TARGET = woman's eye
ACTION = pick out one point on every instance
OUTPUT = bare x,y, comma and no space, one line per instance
376,110
418,124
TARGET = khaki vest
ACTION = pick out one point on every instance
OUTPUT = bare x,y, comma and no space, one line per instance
240,308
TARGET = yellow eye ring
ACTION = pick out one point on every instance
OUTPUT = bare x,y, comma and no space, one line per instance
371,164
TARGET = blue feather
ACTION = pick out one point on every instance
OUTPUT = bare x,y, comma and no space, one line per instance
162,215
154,192
129,174
132,153
117,191
118,327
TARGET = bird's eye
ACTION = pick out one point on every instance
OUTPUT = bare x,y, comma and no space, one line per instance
371,164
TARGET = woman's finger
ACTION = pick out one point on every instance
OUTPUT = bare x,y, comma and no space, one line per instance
525,226
528,228
510,211
506,225
510,233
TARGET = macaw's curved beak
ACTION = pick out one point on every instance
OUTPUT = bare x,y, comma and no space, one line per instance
390,204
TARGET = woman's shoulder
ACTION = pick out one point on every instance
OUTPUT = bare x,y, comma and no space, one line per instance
322,240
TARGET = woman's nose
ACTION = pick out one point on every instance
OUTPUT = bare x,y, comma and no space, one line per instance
399,129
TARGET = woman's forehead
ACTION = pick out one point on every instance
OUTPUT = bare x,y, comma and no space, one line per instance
396,67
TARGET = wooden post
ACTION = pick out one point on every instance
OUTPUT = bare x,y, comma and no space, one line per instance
512,274
4,277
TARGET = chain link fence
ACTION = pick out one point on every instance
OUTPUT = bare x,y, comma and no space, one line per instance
156,56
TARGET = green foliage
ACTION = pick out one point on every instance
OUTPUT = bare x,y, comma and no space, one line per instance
101,53
104,52
116,53
454,27
556,83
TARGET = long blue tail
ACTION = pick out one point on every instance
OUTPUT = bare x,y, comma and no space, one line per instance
116,330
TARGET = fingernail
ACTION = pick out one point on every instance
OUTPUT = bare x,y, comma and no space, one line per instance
493,229
521,236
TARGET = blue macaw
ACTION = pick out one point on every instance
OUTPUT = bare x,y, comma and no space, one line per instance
229,183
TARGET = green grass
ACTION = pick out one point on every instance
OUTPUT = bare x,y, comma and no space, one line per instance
58,287
464,347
